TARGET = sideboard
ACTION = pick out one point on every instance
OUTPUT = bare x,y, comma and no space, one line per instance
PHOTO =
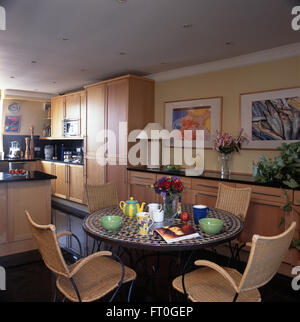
264,213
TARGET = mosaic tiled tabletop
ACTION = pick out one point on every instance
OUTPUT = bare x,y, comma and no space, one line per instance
128,236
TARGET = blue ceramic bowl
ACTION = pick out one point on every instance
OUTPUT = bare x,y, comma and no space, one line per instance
211,226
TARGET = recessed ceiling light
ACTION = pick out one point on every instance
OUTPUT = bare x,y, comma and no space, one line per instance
83,70
229,43
163,63
54,82
121,1
33,62
12,76
63,38
122,53
187,25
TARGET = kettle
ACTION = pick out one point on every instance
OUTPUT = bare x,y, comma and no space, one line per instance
131,207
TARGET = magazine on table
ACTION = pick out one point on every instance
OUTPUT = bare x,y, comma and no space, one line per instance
177,232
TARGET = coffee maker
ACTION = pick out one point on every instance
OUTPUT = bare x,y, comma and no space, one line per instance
14,150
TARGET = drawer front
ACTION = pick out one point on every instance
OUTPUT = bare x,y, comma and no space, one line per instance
296,197
187,182
208,185
268,194
137,177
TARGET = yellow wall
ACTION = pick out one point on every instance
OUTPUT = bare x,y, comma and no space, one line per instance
229,84
31,112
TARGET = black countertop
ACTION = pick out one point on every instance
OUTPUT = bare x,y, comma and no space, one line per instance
236,178
18,160
30,176
38,159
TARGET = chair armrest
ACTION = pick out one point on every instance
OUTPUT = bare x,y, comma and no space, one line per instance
219,269
69,233
85,260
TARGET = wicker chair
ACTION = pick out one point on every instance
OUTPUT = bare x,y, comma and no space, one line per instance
101,196
236,201
214,283
88,279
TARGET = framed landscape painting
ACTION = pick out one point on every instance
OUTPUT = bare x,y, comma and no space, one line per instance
199,114
270,118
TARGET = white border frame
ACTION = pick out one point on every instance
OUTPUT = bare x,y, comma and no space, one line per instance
246,100
216,104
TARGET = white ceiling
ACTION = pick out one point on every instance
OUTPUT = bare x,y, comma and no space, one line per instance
149,32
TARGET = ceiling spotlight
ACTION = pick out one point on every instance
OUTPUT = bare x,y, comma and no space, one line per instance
12,76
83,70
228,43
163,63
122,53
33,62
187,25
54,82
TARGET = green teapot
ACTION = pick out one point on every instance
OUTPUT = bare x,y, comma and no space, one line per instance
131,207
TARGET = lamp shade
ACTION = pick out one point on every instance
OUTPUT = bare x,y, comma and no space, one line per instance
146,132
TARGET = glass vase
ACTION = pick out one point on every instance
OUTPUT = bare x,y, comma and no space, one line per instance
225,165
170,206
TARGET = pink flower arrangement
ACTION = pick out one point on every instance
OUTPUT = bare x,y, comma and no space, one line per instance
226,143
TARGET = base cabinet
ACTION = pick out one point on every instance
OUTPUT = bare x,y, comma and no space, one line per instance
264,213
70,180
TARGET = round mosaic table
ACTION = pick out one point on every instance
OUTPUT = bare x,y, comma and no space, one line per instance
128,236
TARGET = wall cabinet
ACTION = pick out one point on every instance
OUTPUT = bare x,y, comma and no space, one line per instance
69,106
57,116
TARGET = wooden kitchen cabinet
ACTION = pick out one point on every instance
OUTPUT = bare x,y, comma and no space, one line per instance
75,181
139,186
61,182
57,116
49,168
3,214
127,99
73,106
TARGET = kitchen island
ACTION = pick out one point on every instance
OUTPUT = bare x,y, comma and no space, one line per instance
18,193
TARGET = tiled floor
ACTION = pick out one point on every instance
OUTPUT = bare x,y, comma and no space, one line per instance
29,280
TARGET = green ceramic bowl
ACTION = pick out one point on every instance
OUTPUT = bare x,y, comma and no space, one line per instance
211,226
111,223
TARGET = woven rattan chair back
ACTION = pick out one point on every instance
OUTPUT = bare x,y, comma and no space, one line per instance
45,237
234,200
265,257
101,196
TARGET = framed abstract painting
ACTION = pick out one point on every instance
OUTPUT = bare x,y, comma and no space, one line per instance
198,114
12,124
270,118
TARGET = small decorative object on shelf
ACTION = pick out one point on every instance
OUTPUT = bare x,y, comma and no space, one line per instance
31,149
170,188
226,144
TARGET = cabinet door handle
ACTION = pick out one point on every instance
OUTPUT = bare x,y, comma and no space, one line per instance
205,185
140,177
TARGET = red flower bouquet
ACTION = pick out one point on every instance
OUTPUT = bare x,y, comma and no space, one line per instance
169,188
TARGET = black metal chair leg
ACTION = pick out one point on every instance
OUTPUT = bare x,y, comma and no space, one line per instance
55,288
75,288
130,291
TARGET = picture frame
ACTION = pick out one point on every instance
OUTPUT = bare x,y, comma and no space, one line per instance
270,118
12,123
195,114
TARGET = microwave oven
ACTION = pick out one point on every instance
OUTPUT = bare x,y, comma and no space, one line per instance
71,128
